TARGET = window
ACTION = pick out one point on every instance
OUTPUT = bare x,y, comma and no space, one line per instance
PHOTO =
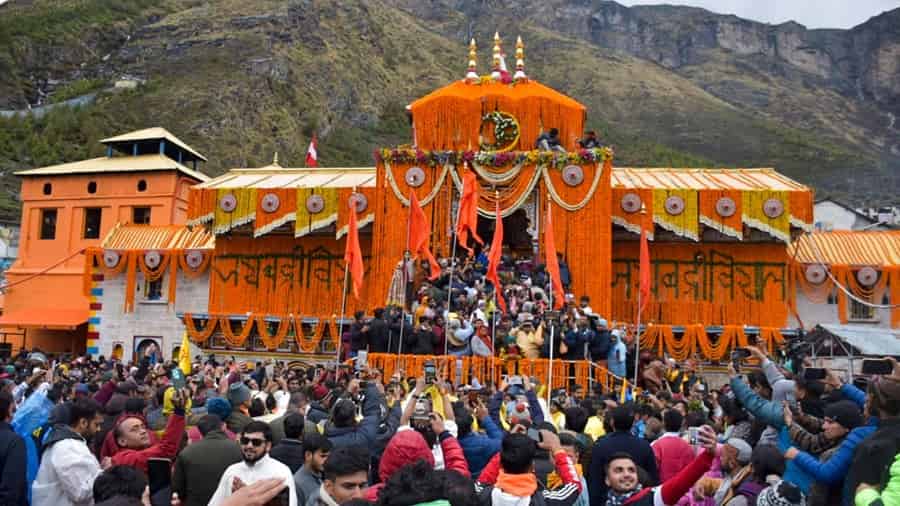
140,215
92,217
48,224
860,311
48,188
832,299
142,185
92,187
153,290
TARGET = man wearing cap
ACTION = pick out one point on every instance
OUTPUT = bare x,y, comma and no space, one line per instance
734,459
239,397
530,340
842,419
458,337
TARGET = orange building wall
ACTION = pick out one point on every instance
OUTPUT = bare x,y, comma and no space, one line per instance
61,287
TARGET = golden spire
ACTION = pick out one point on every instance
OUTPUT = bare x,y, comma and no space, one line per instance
495,70
520,60
472,73
275,158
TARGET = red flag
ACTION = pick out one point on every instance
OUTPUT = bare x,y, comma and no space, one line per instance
494,259
551,261
352,252
467,219
644,290
420,236
312,154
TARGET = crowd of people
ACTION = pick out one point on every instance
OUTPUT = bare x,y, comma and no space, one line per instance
80,431
459,313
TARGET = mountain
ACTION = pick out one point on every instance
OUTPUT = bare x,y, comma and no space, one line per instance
241,79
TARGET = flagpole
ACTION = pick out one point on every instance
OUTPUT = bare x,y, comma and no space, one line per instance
343,309
550,275
637,329
405,281
450,278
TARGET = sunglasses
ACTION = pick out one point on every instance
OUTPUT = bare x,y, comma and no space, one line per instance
254,441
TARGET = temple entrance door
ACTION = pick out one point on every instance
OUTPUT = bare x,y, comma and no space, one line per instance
516,232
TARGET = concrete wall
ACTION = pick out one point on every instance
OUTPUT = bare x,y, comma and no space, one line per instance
812,314
152,319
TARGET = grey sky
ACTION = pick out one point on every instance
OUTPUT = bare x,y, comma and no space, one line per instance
811,13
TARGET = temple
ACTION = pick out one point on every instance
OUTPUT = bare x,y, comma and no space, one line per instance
255,266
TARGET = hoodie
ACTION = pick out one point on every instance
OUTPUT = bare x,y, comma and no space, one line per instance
67,472
408,447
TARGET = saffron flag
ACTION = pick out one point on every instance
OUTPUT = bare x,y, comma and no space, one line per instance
644,289
467,217
494,259
312,154
352,251
420,236
552,262
184,355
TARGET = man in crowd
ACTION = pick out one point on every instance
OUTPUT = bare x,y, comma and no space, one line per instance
672,452
625,488
68,468
133,437
199,466
618,442
290,450
240,398
879,452
255,441
734,459
308,478
12,457
516,482
346,476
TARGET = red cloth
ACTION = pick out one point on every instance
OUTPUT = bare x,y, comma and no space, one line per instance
494,259
408,447
467,219
420,236
109,446
672,455
644,289
167,448
673,490
312,152
105,393
552,262
352,251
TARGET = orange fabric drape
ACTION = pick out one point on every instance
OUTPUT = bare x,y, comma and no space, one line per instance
633,221
709,284
694,341
584,237
265,222
153,274
202,204
450,118
841,273
731,226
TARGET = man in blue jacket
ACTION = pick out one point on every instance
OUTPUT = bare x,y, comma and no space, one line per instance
343,430
477,447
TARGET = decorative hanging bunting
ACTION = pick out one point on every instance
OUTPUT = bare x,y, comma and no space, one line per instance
631,203
764,210
317,208
726,207
276,207
677,211
237,206
720,210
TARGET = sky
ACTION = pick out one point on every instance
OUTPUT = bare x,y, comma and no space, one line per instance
811,13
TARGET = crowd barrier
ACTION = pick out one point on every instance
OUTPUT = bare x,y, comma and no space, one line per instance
462,370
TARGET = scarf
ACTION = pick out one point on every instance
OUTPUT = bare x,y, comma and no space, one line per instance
553,479
614,499
522,485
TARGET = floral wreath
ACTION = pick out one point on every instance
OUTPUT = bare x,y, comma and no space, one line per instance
506,131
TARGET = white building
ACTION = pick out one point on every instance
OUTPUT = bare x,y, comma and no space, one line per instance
153,316
830,215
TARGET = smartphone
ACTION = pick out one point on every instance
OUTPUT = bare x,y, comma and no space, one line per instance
159,474
877,366
177,378
692,435
740,354
430,373
534,435
362,360
814,373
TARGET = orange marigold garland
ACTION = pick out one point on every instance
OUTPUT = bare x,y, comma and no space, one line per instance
228,333
200,336
272,340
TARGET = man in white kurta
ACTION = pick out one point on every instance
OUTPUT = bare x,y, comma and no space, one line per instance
255,441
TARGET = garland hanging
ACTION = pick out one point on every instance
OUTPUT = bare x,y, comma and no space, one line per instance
200,336
231,338
272,341
551,190
496,159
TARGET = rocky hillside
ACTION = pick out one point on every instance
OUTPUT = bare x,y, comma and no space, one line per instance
240,79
